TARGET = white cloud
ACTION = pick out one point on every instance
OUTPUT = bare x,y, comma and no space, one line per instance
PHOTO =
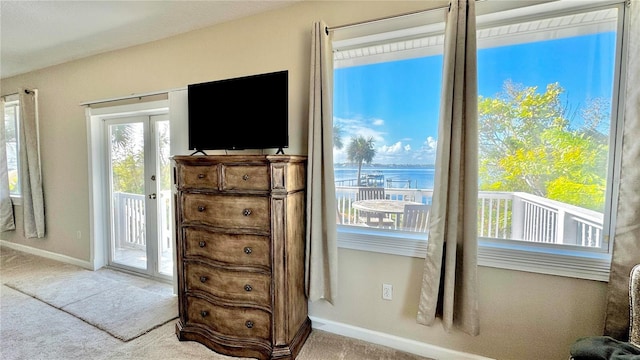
392,149
399,152
377,122
431,143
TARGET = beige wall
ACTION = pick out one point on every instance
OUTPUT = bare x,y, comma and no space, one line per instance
523,315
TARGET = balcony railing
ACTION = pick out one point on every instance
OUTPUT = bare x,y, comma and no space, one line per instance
501,215
129,221
505,215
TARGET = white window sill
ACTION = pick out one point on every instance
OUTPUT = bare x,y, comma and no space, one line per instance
550,260
382,241
16,200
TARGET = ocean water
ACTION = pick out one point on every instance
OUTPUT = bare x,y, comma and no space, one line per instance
414,178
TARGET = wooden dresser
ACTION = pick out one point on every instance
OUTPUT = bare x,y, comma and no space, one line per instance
240,230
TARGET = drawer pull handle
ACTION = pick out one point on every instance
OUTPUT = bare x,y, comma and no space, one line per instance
204,313
202,244
245,177
201,208
246,212
201,176
203,279
248,288
249,324
248,250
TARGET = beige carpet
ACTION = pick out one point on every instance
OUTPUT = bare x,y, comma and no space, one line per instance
37,329
122,310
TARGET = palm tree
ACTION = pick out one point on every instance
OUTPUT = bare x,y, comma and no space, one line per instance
126,140
122,135
337,137
361,150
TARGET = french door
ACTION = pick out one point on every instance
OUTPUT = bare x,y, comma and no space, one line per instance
139,188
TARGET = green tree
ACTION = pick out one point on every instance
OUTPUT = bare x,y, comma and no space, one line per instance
128,174
164,156
527,144
127,158
337,137
123,136
361,150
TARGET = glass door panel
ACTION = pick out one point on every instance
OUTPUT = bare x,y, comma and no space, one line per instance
163,187
126,153
140,192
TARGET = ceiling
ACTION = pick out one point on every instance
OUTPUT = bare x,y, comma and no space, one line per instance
37,34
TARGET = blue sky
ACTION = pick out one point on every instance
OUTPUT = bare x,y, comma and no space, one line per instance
397,103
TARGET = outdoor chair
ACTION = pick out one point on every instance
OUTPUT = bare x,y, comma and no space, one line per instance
372,218
370,193
415,218
608,348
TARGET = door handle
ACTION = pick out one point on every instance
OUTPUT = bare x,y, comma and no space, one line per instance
152,196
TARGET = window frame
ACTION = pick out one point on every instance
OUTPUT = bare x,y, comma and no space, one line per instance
14,101
559,260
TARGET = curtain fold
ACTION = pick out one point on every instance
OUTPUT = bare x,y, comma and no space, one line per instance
7,221
30,170
626,243
449,284
321,234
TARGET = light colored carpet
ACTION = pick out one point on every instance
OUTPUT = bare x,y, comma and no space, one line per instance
122,310
31,329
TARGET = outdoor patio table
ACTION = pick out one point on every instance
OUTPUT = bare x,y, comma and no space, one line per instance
383,207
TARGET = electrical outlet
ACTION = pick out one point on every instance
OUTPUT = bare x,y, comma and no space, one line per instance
387,292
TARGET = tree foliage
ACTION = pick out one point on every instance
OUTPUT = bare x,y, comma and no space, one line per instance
128,174
127,157
527,144
361,150
337,137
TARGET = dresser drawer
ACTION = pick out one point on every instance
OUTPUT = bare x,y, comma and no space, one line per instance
231,212
241,322
245,177
246,287
198,177
236,249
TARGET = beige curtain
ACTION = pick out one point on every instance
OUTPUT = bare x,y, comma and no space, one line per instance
7,221
449,284
626,241
321,237
30,171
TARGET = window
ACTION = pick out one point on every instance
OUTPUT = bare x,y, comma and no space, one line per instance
548,105
11,116
386,104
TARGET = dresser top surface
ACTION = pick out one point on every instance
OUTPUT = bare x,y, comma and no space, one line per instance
240,159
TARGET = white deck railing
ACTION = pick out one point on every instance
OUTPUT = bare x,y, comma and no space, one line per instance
505,215
129,220
501,215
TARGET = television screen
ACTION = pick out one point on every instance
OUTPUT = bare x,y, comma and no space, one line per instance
250,112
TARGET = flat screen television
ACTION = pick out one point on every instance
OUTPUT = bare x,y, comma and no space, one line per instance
250,112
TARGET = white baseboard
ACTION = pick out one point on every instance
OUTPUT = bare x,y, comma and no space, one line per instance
47,254
395,342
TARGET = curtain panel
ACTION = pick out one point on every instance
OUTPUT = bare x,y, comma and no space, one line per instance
449,284
321,234
626,240
30,170
7,221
